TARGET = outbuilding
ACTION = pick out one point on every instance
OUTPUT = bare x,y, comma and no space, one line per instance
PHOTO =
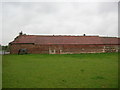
63,44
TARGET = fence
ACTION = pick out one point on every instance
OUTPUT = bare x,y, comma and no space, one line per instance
4,52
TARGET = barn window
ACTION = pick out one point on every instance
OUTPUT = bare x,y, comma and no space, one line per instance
52,51
83,49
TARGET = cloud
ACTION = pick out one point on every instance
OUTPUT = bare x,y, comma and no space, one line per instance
96,18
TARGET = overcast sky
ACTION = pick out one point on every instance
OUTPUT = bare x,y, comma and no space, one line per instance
59,18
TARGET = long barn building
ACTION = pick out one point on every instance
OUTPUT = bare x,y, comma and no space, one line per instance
46,44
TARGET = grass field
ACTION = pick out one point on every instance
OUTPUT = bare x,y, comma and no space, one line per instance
60,71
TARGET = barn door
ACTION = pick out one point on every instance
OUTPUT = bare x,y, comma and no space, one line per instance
58,51
55,51
52,51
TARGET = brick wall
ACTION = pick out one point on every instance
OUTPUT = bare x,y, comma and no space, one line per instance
14,48
63,49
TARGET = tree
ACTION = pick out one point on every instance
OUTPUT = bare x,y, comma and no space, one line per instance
5,48
0,47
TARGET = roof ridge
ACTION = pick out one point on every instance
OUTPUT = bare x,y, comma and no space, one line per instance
64,39
59,36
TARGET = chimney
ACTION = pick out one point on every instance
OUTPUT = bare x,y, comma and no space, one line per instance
20,33
84,35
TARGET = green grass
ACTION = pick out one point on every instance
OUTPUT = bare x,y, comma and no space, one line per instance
60,71
0,71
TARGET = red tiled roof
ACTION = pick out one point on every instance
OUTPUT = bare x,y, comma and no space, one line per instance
67,40
39,39
109,40
25,39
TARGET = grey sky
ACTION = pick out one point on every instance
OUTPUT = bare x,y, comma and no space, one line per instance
59,18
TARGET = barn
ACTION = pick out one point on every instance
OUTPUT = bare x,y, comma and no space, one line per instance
63,44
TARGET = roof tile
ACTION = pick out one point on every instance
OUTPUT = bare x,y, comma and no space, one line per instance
39,39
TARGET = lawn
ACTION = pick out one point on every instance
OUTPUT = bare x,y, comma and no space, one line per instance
60,71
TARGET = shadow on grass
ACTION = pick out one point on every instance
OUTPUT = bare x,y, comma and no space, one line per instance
97,77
